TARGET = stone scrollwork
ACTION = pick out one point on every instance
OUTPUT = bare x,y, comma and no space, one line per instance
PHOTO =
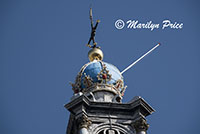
140,125
84,122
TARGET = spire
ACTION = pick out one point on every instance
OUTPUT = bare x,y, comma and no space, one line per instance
96,106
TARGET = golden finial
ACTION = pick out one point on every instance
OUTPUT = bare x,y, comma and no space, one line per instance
95,54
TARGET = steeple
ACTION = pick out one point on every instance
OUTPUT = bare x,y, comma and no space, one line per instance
96,106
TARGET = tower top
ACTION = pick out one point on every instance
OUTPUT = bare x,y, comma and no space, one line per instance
97,79
97,82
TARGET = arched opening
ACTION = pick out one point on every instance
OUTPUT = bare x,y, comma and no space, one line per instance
105,128
110,131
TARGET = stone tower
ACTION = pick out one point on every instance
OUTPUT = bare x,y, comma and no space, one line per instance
96,106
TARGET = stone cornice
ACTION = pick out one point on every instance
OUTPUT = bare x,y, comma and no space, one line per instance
83,102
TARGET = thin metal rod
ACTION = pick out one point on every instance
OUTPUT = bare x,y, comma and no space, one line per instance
140,58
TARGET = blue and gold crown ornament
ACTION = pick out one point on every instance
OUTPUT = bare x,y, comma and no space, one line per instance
98,75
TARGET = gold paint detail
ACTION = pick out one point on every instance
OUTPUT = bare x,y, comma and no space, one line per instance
95,54
87,81
104,75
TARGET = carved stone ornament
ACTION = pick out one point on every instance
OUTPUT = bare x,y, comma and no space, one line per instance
104,75
141,125
84,122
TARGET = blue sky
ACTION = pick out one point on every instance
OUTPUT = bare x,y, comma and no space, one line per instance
43,46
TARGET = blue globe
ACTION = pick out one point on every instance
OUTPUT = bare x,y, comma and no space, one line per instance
92,69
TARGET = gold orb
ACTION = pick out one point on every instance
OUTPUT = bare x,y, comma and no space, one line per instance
95,54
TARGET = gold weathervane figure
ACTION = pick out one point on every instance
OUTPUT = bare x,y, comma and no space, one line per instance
93,32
